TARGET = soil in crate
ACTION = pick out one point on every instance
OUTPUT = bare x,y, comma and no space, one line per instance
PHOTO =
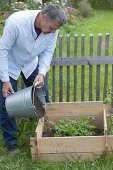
49,130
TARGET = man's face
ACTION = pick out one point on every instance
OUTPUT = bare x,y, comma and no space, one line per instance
49,26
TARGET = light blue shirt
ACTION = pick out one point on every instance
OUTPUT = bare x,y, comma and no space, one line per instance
19,48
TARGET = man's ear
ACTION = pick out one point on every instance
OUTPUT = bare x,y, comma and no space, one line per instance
43,17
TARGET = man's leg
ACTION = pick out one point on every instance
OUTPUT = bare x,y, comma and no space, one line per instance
29,82
7,124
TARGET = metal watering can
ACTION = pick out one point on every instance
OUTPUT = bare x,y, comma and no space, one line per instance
29,102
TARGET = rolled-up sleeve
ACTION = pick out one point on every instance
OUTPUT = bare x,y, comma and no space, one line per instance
46,56
6,42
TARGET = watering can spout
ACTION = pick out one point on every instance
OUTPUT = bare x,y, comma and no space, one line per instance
28,102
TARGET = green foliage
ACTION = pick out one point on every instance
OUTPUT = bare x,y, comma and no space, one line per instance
80,127
45,1
23,161
3,16
102,4
17,6
33,5
71,14
85,8
110,129
26,129
73,3
28,4
4,5
100,22
108,99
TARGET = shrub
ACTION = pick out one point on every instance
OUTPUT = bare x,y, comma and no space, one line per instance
17,6
26,128
101,4
4,5
32,4
85,8
109,98
75,3
70,13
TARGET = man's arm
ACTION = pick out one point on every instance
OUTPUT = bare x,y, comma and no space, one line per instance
6,42
46,56
45,60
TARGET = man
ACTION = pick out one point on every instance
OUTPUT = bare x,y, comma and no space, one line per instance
26,46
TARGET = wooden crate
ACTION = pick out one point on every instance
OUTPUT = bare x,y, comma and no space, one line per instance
76,147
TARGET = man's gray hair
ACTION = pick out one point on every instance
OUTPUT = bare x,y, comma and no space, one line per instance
54,12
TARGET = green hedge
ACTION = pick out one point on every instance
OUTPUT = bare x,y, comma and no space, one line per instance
96,4
101,4
5,4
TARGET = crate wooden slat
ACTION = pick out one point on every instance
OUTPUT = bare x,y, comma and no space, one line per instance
71,144
70,156
40,126
105,130
79,147
33,143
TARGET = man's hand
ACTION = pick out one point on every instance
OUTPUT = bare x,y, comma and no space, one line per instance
7,88
39,81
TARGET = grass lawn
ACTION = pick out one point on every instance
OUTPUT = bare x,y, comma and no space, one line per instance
101,21
23,161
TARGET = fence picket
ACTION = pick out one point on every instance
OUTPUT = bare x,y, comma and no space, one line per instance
57,89
90,67
75,67
60,71
82,67
53,81
68,68
106,67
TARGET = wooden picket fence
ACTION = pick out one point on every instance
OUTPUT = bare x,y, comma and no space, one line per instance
79,62
79,72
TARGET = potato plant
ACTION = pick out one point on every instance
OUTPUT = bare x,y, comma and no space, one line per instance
82,126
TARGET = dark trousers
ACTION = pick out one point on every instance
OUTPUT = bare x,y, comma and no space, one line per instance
8,124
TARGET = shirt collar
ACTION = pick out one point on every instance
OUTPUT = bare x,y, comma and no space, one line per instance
33,21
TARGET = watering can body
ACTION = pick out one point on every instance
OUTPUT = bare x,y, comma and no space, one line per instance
28,102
